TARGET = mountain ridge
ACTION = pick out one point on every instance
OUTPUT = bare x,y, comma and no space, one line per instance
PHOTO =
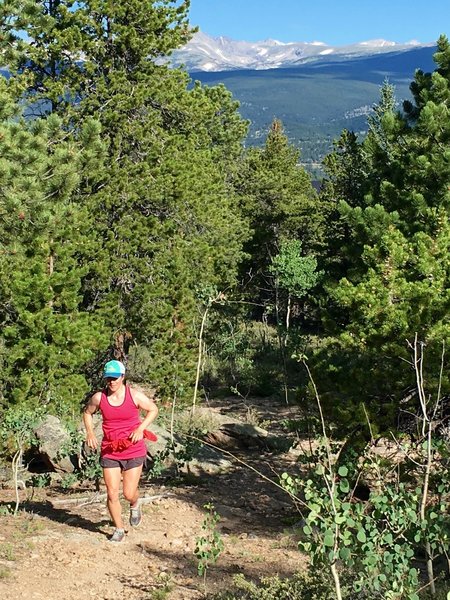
317,100
204,53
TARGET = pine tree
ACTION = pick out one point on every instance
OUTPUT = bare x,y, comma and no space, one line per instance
279,199
395,281
167,222
46,336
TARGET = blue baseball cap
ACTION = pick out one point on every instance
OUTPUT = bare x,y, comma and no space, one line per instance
114,368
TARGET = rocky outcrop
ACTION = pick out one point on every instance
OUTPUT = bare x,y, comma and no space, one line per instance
203,461
224,433
231,432
53,438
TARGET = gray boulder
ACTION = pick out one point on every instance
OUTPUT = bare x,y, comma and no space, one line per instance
52,438
231,432
207,461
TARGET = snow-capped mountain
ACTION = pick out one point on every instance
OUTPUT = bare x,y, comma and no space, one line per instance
205,53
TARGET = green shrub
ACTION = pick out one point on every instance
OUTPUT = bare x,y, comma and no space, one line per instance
302,586
244,357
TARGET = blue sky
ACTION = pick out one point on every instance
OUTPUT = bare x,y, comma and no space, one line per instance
335,22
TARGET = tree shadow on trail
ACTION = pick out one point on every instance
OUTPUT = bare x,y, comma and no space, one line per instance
46,509
181,573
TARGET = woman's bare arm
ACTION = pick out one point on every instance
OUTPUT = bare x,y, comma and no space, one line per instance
90,408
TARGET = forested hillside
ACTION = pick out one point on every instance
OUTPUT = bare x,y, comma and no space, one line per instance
137,225
317,100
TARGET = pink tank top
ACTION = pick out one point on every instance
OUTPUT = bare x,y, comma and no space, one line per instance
118,423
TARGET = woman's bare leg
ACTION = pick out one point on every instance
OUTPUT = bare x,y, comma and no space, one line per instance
131,484
112,477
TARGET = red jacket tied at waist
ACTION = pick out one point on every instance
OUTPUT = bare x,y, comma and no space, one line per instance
124,443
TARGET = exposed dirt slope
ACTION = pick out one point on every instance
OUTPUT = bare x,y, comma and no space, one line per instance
58,547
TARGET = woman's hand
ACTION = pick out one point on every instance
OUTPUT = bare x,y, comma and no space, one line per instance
136,435
91,441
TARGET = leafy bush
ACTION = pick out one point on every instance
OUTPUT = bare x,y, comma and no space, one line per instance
377,540
244,357
41,480
311,585
88,461
16,428
209,545
302,586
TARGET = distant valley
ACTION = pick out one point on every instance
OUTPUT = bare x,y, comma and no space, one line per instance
314,89
316,95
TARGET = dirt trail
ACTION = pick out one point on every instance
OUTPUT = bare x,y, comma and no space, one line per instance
58,547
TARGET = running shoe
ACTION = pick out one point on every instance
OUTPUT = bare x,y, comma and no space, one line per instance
117,536
135,515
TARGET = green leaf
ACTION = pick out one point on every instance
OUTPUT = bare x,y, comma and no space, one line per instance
344,486
328,539
343,471
347,541
388,538
345,553
306,546
361,536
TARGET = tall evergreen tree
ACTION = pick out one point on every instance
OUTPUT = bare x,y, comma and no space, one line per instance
279,199
168,224
396,281
45,250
